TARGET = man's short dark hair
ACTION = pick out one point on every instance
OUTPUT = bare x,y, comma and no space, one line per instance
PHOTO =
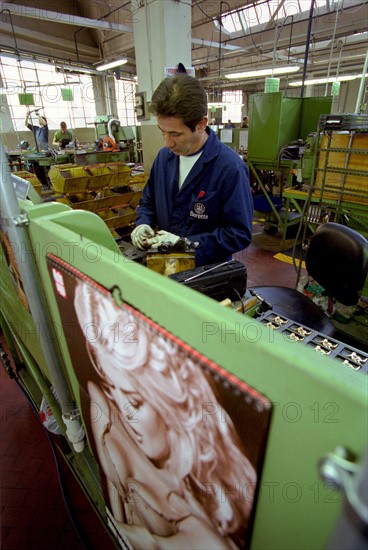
181,96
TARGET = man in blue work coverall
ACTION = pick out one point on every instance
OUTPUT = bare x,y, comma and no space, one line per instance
41,132
198,187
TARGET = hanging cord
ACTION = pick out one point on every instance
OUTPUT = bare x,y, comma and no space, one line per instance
12,26
332,47
307,42
340,46
70,109
29,112
240,299
274,47
278,31
291,36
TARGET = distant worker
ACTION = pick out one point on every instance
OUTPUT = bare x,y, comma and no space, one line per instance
63,136
41,132
245,122
229,125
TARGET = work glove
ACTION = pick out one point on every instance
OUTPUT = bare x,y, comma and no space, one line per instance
141,234
162,237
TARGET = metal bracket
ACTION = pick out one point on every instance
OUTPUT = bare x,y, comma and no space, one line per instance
73,415
336,469
21,220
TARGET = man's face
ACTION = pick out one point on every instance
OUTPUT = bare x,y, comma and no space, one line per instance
178,137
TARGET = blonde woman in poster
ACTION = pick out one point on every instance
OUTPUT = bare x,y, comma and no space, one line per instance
176,474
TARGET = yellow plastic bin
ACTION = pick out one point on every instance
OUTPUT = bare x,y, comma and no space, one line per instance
98,176
68,178
121,173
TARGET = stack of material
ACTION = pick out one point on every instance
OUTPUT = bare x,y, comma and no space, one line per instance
109,190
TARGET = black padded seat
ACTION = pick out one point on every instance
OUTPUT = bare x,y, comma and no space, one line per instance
292,304
337,258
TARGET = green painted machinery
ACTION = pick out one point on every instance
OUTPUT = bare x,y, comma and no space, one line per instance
317,404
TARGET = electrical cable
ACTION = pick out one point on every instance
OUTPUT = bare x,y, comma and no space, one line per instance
332,46
204,13
290,39
240,299
307,42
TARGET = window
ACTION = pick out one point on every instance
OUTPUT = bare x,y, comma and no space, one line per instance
237,22
125,99
46,82
232,109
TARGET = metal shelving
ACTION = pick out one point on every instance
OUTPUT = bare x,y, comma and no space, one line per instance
338,190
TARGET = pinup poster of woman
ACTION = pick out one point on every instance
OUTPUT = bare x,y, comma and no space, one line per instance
176,471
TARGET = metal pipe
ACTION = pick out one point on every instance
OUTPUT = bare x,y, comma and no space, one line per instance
67,18
109,129
332,46
358,105
310,20
16,226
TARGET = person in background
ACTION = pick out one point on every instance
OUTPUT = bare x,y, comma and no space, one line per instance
245,122
229,125
41,132
198,188
63,136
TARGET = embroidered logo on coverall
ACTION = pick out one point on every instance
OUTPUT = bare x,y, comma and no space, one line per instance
199,209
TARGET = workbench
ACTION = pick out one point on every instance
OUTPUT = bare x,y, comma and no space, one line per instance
85,157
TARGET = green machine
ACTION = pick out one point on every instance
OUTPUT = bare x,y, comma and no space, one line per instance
253,434
108,129
278,129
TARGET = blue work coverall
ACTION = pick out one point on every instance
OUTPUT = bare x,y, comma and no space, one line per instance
41,134
214,206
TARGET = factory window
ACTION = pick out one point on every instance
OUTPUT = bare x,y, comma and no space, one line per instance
232,109
125,95
237,22
47,84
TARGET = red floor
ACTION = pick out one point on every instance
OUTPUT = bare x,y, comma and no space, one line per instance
33,513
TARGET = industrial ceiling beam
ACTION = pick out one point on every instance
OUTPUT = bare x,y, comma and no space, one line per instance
64,18
273,18
32,37
212,44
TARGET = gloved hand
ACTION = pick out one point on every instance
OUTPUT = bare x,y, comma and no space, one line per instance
162,237
141,234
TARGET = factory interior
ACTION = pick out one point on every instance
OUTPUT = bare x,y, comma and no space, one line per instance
151,398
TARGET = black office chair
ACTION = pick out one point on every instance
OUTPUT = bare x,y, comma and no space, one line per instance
337,258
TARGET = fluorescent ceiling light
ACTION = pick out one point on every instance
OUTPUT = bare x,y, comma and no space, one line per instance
344,78
218,104
323,61
112,64
265,72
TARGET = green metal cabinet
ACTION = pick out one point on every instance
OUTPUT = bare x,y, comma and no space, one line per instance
273,123
317,403
276,121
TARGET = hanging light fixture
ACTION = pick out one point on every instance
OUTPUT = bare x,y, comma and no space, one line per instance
112,64
310,82
265,72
